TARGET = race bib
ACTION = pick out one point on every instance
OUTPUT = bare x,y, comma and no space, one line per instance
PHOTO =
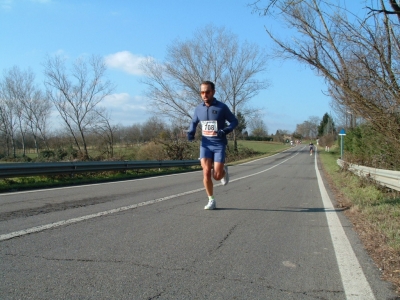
209,128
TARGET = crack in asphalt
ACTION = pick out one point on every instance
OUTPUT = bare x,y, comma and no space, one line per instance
191,270
221,243
96,261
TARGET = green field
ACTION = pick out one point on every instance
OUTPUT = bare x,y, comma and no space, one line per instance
264,147
34,182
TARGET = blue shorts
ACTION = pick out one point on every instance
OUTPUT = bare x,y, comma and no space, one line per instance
215,151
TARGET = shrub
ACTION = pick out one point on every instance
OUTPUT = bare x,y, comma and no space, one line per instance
365,146
17,159
179,149
46,155
151,151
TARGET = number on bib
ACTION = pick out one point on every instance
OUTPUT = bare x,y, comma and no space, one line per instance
209,128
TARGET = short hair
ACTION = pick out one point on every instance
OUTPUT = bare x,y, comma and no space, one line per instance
210,83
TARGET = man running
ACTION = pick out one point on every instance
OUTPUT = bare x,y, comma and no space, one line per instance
212,114
311,145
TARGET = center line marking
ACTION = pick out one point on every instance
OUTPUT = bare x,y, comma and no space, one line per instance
14,234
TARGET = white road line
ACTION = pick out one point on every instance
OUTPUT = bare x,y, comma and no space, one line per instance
14,234
254,174
355,284
354,281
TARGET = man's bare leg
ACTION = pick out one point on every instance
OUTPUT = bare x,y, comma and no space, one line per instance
206,164
219,171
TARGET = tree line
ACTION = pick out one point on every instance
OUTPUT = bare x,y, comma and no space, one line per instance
76,91
358,56
25,107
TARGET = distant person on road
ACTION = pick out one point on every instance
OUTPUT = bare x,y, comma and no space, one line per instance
311,147
212,114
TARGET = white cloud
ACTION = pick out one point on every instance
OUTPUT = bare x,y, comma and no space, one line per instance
125,61
124,100
61,53
123,108
6,4
126,109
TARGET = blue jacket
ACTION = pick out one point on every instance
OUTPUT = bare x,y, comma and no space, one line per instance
216,111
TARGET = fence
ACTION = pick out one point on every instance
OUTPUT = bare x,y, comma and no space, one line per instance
388,178
34,169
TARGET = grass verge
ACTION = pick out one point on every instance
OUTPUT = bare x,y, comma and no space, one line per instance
374,211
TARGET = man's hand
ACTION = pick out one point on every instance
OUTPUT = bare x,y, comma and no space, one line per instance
221,133
190,137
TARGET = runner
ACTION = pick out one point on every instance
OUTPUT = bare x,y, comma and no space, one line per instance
311,148
212,114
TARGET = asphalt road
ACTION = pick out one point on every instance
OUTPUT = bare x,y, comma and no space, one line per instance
274,235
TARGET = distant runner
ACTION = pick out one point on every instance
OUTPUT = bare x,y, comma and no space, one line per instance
311,148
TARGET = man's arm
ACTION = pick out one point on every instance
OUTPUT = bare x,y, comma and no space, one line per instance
233,121
192,128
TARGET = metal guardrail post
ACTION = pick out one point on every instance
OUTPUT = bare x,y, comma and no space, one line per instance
388,178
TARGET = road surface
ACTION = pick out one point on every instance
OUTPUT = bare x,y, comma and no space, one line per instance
275,234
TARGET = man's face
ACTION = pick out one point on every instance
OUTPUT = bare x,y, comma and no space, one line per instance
207,94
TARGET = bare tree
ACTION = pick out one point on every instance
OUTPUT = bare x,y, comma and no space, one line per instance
105,132
17,88
258,126
309,128
133,134
270,4
359,58
281,134
36,112
7,125
213,54
76,95
30,106
153,128
395,5
17,98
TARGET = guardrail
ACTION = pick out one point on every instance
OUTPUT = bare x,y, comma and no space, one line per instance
34,169
388,178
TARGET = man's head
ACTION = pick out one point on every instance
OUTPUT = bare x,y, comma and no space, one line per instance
207,91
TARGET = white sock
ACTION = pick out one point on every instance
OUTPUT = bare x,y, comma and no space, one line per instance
210,198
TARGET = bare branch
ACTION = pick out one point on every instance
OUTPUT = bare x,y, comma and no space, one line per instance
77,95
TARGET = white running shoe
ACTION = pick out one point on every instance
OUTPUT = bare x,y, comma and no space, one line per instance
211,204
225,180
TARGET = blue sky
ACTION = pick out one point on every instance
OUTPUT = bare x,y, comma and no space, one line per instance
123,32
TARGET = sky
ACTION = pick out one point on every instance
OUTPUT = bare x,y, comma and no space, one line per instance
124,32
